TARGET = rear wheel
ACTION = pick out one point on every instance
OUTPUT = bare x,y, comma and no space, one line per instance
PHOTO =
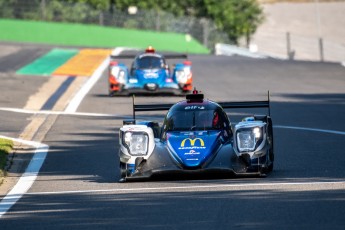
111,92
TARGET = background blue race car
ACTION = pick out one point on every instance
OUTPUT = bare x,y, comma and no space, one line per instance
150,73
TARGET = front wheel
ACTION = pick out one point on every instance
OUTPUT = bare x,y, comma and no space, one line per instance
270,167
123,170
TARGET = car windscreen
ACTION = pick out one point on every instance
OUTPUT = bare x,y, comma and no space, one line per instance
179,120
150,62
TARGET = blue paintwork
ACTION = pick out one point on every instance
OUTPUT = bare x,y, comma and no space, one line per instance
131,168
141,77
193,149
155,76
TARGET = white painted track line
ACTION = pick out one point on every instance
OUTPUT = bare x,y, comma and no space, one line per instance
49,112
15,110
310,129
75,102
28,178
322,185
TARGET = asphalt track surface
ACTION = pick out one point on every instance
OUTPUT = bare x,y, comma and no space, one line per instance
77,186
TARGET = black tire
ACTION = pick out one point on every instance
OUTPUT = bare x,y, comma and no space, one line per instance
123,170
267,169
270,167
271,150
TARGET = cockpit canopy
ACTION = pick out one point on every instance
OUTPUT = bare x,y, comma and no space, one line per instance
149,61
202,116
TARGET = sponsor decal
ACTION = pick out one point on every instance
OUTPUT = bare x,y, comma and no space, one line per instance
149,54
151,75
196,143
131,80
194,107
151,86
192,152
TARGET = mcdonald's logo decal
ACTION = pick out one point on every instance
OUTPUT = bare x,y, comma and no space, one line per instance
193,143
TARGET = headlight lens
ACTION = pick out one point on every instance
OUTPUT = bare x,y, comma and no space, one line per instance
248,138
181,76
115,71
118,74
257,132
121,76
136,143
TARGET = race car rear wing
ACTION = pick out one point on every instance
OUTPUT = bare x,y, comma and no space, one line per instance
224,105
166,56
123,56
245,104
149,107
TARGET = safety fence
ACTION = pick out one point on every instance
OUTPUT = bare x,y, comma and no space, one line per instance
297,47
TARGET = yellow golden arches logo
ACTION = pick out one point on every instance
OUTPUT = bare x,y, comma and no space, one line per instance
192,142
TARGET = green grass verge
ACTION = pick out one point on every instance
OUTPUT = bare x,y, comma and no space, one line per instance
5,148
94,36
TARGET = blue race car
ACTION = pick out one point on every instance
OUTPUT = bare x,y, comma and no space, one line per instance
150,73
196,138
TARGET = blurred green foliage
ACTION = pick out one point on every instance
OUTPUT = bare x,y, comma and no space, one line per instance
237,18
5,148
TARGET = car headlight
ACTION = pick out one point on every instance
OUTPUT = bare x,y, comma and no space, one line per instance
121,76
181,76
114,71
248,139
136,143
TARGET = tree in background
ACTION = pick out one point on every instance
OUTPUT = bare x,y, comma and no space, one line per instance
238,18
96,4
